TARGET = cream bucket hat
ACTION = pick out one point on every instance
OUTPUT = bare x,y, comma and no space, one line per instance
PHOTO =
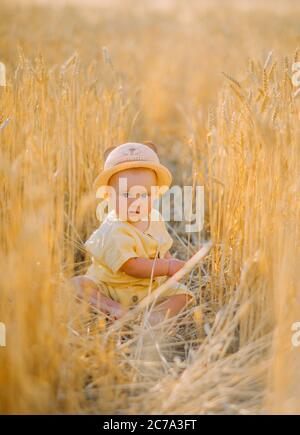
133,155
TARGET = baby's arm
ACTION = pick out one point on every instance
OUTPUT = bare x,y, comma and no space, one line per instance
143,267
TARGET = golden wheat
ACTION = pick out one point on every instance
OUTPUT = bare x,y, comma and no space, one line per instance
104,78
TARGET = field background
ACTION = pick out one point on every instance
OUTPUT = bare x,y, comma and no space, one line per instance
210,82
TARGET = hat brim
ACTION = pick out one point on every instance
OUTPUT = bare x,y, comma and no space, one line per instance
164,177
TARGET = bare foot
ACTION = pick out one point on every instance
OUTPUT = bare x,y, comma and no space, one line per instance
117,312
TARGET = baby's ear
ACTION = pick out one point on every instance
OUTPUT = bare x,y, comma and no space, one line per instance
151,145
107,152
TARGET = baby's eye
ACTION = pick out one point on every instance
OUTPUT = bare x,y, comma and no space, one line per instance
125,194
131,195
128,195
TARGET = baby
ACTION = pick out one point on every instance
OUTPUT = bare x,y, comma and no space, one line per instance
130,249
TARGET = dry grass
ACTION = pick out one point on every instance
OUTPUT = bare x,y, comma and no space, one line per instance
236,133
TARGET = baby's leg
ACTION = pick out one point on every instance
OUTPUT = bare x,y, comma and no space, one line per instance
88,290
168,308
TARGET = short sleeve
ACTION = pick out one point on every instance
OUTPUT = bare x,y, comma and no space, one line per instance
121,249
113,248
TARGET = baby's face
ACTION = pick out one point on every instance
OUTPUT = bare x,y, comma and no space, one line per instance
134,193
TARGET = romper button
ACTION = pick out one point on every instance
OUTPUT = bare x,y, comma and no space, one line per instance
134,298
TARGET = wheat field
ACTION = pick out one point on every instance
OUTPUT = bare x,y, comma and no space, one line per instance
210,82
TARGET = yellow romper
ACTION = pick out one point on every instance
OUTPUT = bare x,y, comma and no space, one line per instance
113,243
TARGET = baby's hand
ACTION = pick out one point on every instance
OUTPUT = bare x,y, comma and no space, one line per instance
175,265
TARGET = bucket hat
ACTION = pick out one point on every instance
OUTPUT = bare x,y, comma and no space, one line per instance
133,155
